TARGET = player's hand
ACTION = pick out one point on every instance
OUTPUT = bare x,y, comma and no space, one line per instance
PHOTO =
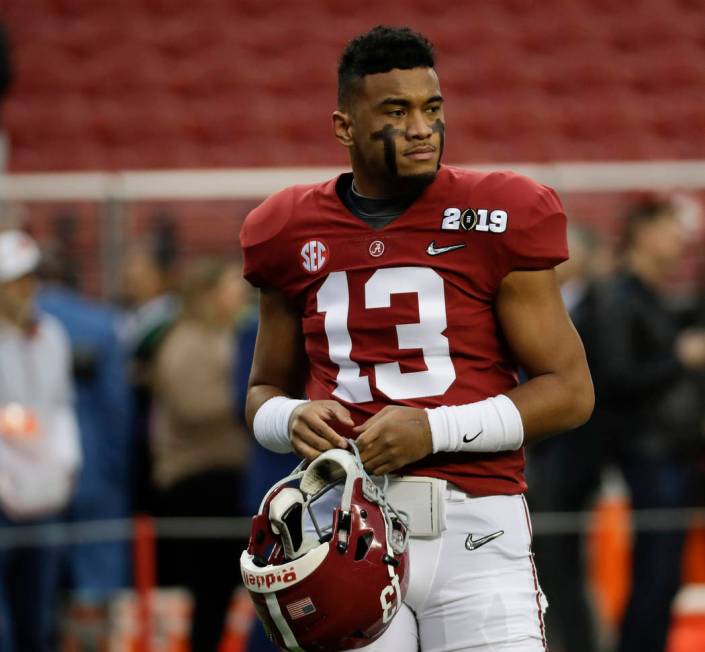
394,437
310,431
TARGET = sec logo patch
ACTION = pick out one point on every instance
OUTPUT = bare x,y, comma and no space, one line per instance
314,256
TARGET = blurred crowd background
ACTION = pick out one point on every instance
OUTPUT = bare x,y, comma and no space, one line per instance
126,331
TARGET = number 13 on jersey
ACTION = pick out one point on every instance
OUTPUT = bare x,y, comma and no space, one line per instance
334,300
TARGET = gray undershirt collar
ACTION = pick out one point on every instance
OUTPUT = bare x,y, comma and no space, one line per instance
377,213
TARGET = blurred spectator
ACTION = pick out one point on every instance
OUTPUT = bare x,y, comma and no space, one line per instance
39,447
152,306
148,280
199,449
94,572
651,413
557,483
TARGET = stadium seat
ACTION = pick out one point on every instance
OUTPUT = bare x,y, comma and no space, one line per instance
255,74
595,76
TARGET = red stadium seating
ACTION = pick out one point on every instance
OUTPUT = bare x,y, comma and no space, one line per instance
171,83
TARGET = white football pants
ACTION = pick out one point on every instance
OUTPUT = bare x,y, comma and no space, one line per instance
485,599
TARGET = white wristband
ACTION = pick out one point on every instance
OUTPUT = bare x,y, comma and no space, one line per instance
271,423
483,427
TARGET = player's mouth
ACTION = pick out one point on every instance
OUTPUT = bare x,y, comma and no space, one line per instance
421,153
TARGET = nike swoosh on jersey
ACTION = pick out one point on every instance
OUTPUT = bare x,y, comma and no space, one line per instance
468,440
432,250
473,544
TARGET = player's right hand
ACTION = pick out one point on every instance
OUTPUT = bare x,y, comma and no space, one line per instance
310,431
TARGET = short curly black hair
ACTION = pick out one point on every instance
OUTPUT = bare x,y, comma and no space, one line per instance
381,49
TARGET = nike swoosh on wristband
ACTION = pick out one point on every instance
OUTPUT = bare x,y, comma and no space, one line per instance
474,544
432,250
467,440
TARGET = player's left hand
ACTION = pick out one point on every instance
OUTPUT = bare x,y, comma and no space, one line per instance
392,438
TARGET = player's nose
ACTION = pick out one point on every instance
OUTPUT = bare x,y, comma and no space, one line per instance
417,126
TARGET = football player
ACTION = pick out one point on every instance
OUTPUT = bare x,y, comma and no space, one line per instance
401,299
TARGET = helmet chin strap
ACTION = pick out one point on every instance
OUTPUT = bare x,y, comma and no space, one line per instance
372,491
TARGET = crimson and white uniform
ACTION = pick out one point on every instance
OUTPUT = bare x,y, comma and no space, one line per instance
386,322
405,315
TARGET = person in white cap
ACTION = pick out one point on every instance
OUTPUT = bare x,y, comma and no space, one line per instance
39,447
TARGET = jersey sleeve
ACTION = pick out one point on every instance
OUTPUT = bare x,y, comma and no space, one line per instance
260,240
537,238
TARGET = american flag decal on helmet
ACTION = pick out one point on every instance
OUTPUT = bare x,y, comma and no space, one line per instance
300,608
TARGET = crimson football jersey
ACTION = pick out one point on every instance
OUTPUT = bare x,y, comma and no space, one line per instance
405,315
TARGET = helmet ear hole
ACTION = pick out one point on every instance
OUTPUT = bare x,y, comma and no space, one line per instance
294,522
286,518
363,545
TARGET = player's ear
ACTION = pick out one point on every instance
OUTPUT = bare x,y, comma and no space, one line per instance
342,126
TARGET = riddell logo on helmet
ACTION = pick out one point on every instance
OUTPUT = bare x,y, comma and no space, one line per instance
267,580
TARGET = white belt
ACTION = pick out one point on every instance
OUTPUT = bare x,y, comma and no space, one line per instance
423,500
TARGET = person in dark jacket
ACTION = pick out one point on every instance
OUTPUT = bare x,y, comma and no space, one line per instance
148,279
649,405
557,483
